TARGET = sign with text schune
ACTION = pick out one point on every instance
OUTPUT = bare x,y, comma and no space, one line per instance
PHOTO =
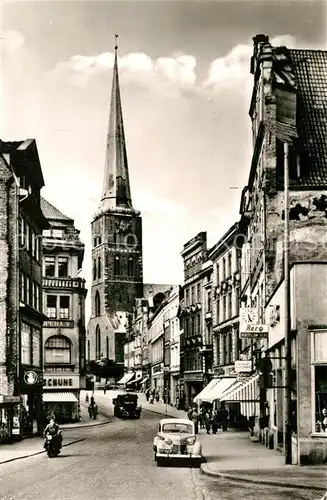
64,381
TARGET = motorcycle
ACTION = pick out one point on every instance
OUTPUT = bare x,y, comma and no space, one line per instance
53,445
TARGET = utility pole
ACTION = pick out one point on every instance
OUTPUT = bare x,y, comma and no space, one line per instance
288,350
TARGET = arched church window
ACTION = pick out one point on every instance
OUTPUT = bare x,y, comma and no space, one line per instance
117,266
97,303
130,266
107,347
99,267
97,343
100,240
94,269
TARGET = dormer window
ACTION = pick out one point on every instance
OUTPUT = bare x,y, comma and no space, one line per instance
57,233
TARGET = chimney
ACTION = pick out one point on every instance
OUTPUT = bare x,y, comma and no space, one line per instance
258,41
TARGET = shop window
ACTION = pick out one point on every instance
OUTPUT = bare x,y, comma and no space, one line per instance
57,350
25,344
62,267
97,342
51,306
117,266
64,306
36,347
49,266
97,303
320,375
130,267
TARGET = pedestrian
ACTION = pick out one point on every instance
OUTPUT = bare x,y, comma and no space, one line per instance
95,411
157,396
86,398
105,390
195,420
147,394
224,418
92,400
214,422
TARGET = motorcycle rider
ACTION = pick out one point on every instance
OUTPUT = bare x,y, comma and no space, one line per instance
53,429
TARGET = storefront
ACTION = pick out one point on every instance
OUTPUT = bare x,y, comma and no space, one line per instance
31,411
193,383
157,378
61,397
174,386
10,409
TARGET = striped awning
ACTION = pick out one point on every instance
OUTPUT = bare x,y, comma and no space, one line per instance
234,395
126,378
59,397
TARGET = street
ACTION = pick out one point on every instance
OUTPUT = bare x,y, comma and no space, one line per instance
116,461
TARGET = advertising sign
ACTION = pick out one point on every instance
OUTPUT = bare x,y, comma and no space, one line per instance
243,366
56,382
250,328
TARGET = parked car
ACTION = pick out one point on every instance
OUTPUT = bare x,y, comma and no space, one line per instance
176,439
126,406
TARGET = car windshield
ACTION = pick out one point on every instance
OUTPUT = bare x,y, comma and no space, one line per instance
178,428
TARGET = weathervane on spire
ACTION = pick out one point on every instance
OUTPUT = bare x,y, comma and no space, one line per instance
116,46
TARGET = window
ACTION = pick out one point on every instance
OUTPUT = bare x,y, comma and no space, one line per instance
130,267
25,344
229,265
38,297
97,303
57,350
37,247
22,286
64,306
47,233
33,242
320,374
36,346
94,269
229,305
49,264
99,267
28,299
21,232
57,233
198,292
51,306
209,300
218,275
62,267
94,242
218,311
192,295
88,350
187,297
107,347
99,240
27,235
117,266
97,342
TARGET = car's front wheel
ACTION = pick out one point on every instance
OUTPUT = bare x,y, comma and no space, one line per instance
155,456
159,462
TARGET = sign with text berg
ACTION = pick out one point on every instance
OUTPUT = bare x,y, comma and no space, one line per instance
56,382
250,328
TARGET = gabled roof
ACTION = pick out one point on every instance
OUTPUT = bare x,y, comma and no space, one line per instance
24,155
52,213
310,70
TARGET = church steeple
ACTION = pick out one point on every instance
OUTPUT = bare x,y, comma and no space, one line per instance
116,187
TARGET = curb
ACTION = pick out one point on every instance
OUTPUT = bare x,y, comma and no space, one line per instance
39,452
86,426
160,413
268,482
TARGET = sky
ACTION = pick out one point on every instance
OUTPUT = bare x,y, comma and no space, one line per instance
185,86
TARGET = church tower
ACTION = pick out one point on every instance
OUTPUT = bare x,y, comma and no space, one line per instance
117,276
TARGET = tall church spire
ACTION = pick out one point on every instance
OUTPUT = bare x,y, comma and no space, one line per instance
116,187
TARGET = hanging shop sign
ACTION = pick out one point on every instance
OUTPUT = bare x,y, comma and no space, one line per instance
250,328
31,377
243,366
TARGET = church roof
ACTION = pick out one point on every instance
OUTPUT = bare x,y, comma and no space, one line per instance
116,186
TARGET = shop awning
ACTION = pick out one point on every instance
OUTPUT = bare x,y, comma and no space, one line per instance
126,378
59,397
218,389
137,379
206,391
234,395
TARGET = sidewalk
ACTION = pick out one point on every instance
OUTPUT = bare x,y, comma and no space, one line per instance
232,455
34,445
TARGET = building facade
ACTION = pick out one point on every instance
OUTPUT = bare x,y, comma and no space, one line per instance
117,276
192,362
22,223
288,87
64,305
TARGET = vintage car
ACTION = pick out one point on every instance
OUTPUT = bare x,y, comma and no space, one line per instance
126,406
176,439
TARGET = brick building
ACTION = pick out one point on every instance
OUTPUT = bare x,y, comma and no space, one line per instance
117,268
64,305
22,223
287,106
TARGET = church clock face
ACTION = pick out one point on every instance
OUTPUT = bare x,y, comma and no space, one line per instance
123,226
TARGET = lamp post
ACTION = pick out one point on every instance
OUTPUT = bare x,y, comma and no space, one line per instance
288,351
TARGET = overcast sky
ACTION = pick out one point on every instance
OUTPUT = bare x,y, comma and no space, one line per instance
185,84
